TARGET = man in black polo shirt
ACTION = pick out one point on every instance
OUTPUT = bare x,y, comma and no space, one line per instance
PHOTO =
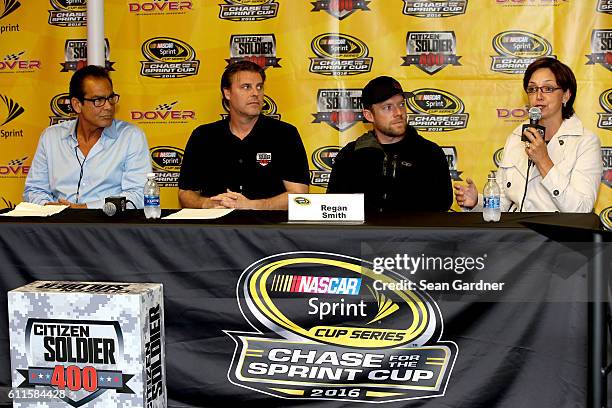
248,161
395,168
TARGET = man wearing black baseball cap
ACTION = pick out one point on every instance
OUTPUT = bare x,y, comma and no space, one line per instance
396,168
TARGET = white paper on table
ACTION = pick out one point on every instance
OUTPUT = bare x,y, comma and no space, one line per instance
199,214
34,210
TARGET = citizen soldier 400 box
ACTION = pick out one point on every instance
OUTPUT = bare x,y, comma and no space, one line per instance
98,344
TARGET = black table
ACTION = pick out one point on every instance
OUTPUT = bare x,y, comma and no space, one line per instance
526,346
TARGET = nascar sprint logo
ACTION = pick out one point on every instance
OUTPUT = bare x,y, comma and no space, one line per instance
605,119
606,156
248,10
324,331
269,108
431,51
601,47
166,162
340,9
68,13
451,157
61,107
258,48
604,6
339,54
606,218
498,156
339,108
435,110
434,9
75,52
8,6
516,50
323,159
168,58
166,113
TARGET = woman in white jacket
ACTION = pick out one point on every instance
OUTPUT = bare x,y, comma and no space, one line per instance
560,172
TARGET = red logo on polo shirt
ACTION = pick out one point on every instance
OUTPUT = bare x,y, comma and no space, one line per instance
264,159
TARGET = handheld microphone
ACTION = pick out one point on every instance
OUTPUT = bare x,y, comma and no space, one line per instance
535,114
114,206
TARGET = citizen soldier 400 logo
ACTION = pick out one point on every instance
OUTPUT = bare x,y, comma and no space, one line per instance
324,332
166,161
435,110
323,159
605,119
431,51
269,108
601,46
157,7
248,10
606,156
16,63
339,54
451,156
76,55
68,13
164,113
604,6
340,9
434,8
62,109
517,49
258,48
168,58
339,108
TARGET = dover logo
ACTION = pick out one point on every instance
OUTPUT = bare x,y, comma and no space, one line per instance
165,113
61,108
339,108
160,7
601,46
517,49
512,114
339,54
248,10
168,58
324,332
605,119
340,9
15,169
76,55
606,156
451,156
434,9
68,13
166,161
323,159
604,6
431,51
606,218
55,346
435,110
269,108
15,63
7,7
258,48
498,156
11,111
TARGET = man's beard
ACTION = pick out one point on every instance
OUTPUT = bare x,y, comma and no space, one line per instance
393,131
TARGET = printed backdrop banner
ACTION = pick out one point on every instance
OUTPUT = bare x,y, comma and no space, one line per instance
461,60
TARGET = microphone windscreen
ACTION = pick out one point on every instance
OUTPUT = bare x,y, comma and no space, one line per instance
109,209
535,113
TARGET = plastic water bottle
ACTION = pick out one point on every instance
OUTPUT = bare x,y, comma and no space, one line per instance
152,208
491,203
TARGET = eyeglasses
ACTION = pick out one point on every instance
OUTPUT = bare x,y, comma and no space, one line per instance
99,102
544,89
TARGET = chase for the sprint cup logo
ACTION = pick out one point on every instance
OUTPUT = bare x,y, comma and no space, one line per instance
516,50
339,54
248,10
324,331
434,9
168,58
605,118
68,13
436,110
